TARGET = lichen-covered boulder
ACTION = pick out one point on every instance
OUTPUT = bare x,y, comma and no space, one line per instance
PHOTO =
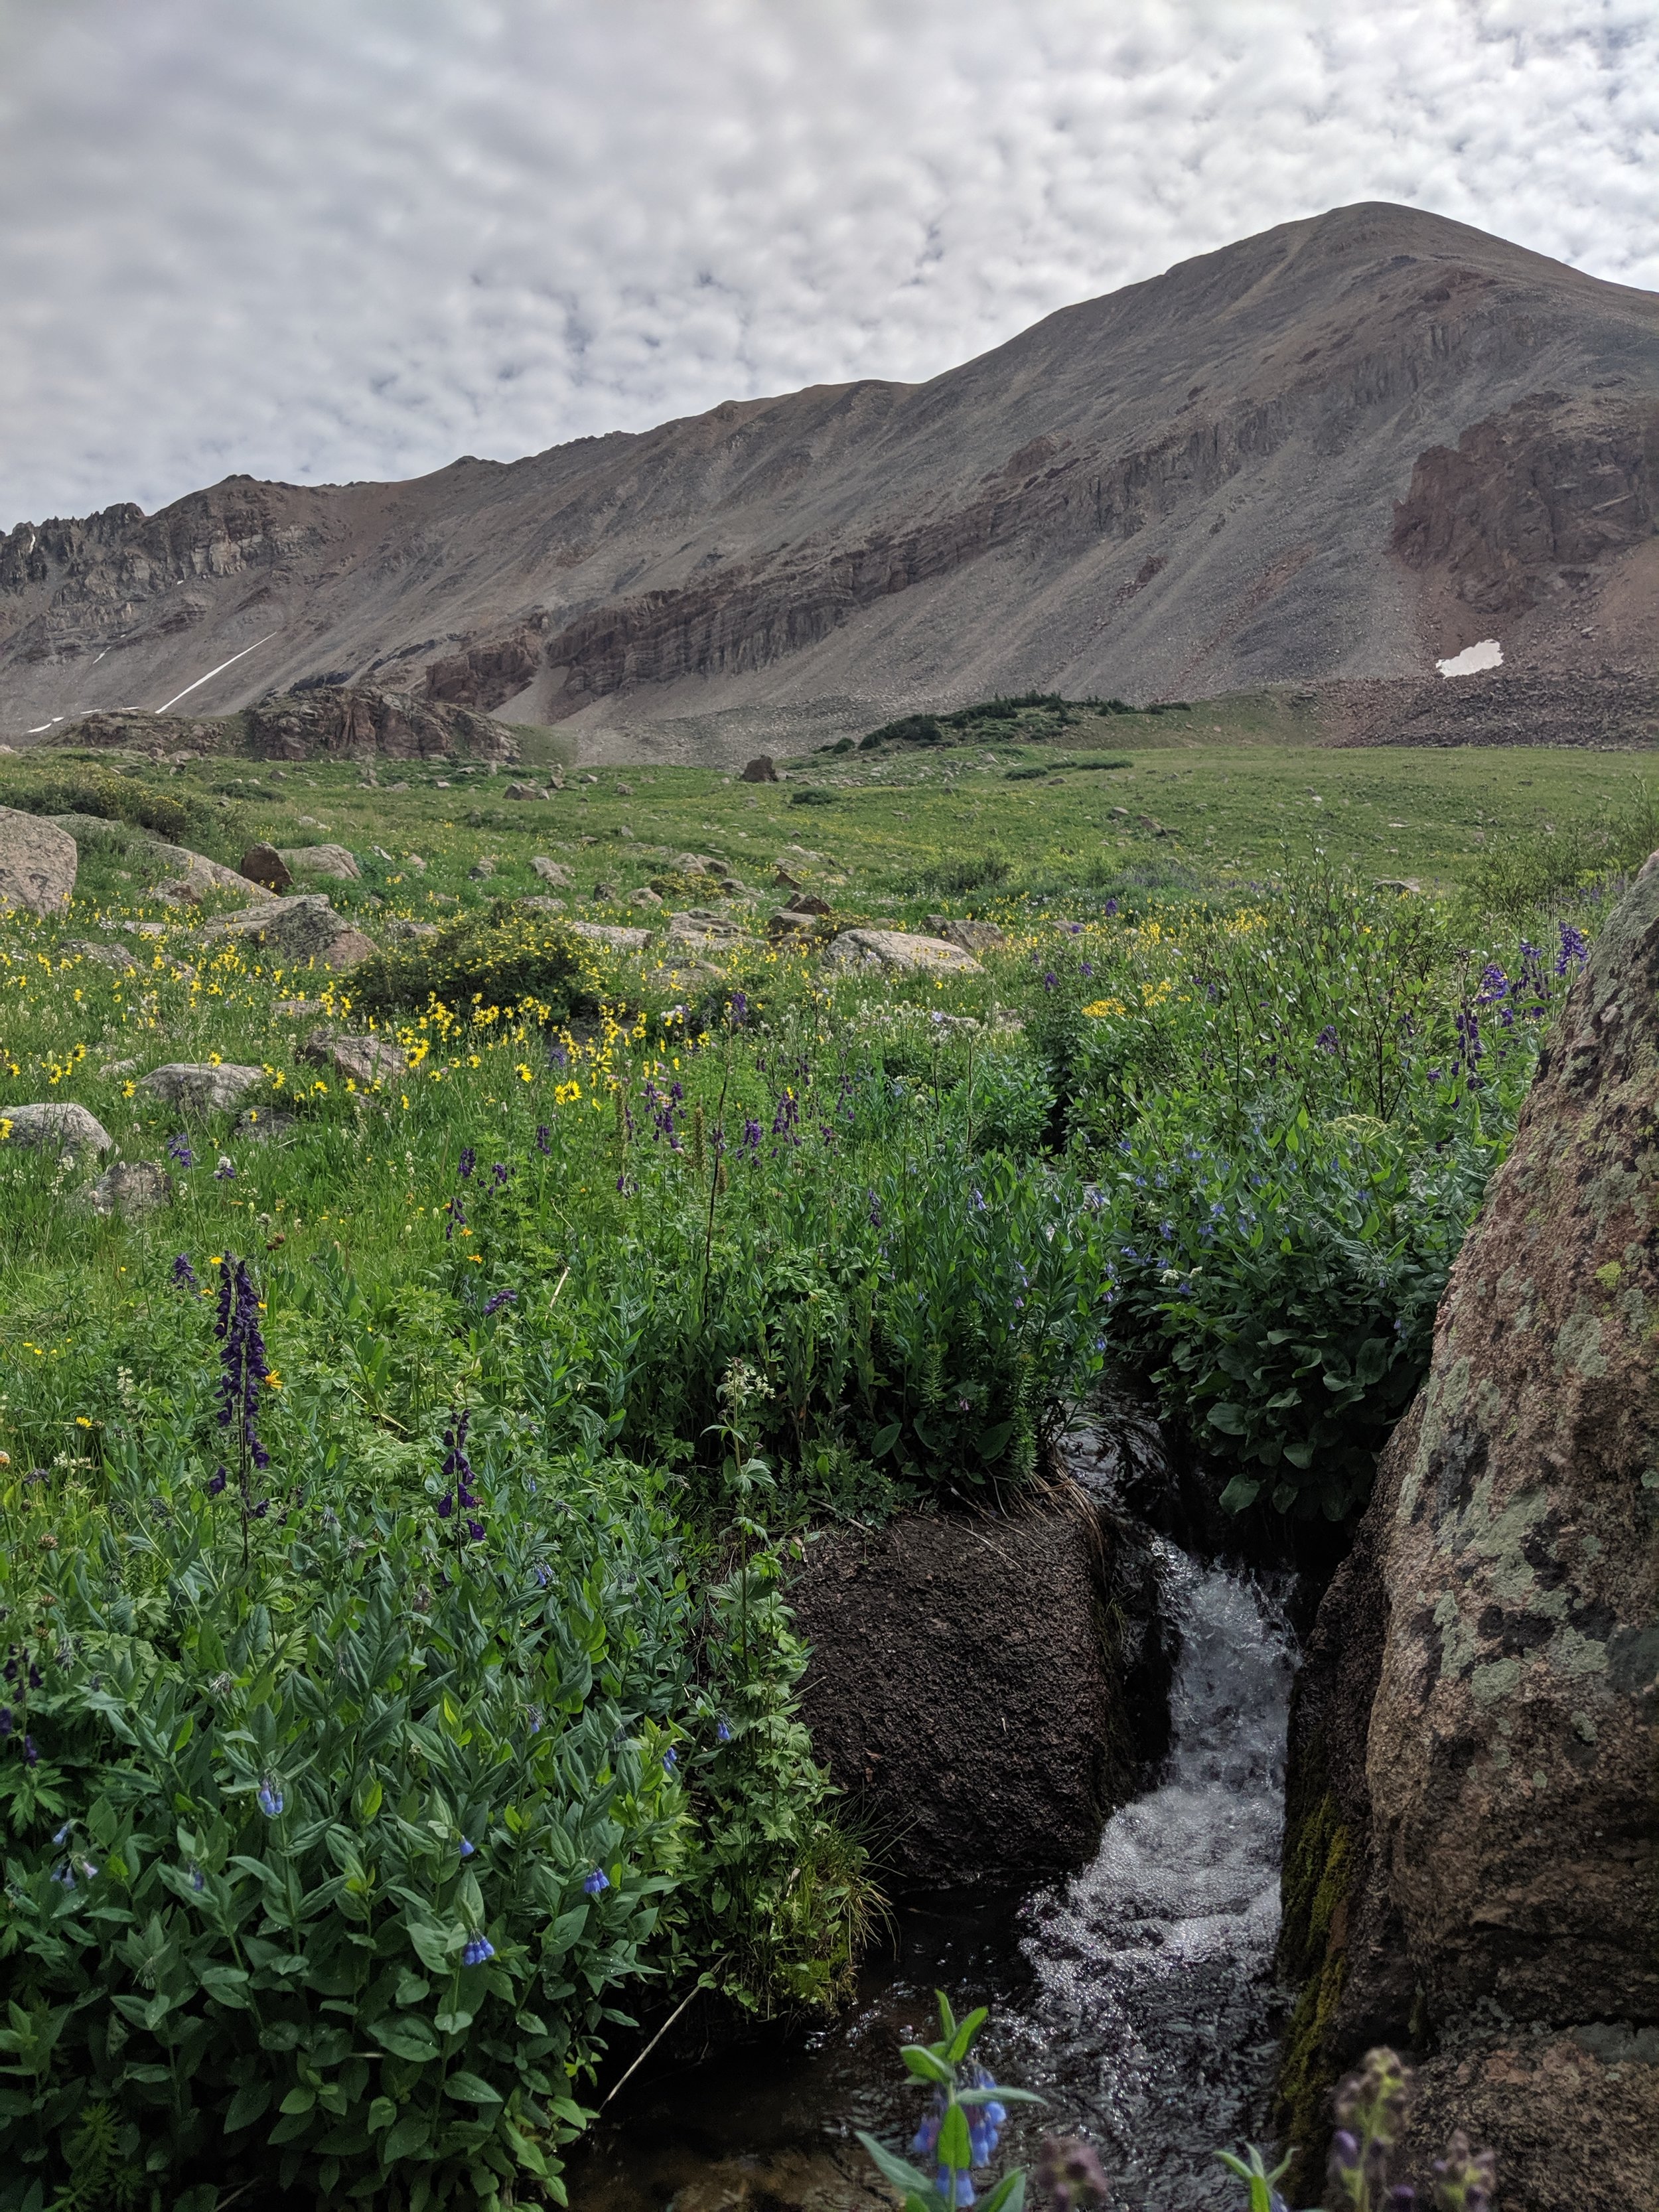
364,1060
290,932
1471,1844
61,1126
131,1188
38,863
898,950
201,1087
320,860
1512,1743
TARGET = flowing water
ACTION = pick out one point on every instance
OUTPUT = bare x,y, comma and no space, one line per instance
1135,1997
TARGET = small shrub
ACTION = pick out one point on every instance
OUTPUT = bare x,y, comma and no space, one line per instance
508,957
812,795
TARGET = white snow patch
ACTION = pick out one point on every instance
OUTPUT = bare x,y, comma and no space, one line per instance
1473,659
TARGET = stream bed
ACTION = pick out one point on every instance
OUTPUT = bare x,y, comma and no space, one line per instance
1135,1997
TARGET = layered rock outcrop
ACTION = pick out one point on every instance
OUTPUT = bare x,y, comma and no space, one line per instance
1472,1857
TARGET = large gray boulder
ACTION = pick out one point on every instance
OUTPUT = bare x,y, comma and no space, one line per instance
900,953
364,1060
38,863
613,938
60,1127
320,860
1472,1845
552,871
201,1087
290,932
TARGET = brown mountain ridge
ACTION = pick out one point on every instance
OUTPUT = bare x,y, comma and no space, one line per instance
1336,451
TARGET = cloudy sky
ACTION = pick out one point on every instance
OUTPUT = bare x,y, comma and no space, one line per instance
319,239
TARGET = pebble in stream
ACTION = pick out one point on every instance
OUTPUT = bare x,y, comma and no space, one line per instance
1136,1998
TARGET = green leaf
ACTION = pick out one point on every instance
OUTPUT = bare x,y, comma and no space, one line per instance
406,2035
1228,1418
955,2147
884,1440
412,2133
924,2065
1239,1495
245,2106
963,2041
381,2114
898,2171
469,2090
299,2100
434,1945
1008,2196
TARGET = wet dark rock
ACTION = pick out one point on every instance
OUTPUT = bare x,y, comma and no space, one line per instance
987,1690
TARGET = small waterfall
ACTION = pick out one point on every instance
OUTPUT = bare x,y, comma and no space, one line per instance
1135,1997
1149,2023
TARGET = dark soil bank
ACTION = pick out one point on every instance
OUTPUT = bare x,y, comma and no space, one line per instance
986,1690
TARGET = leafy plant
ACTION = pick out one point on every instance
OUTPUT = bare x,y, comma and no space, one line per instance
503,956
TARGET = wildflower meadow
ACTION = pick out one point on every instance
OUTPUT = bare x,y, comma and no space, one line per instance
399,1700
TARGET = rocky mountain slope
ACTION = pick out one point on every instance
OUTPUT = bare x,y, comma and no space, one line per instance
1338,450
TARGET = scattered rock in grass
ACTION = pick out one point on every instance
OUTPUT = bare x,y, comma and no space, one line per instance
38,863
481,870
414,860
897,950
412,933
785,924
699,927
292,930
618,941
804,903
541,905
115,957
603,893
322,860
552,871
625,790
525,791
130,1187
365,1059
145,928
785,881
64,1128
181,892
264,864
695,864
974,937
257,1126
759,770
201,1087
646,896
118,1067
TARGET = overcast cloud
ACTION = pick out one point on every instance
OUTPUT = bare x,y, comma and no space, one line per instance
319,239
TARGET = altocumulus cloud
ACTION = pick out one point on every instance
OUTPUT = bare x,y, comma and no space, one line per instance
329,239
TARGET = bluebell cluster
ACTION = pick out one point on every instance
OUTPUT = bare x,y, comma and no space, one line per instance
597,1882
984,2125
476,1949
270,1797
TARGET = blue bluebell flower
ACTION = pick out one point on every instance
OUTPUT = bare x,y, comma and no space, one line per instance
270,1798
478,1948
722,1730
468,1847
597,1882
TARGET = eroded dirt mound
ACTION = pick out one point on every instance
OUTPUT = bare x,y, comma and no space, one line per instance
986,1690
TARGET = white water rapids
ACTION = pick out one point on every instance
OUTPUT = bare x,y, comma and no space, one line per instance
1135,1997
